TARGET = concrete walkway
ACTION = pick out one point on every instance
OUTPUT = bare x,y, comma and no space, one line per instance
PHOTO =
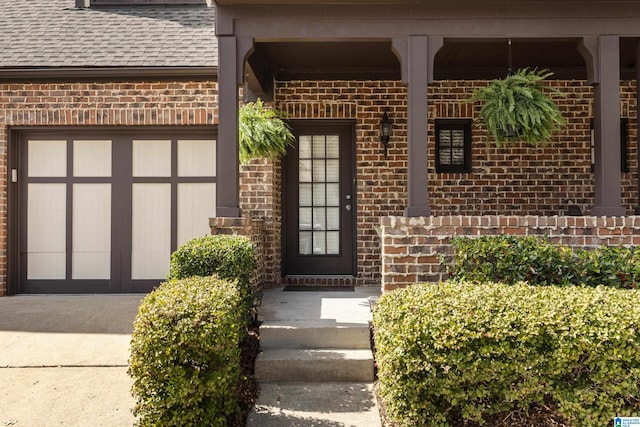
64,360
313,319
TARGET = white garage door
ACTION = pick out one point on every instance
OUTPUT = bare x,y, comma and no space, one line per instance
102,211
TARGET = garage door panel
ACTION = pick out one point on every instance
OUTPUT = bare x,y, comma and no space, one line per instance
196,203
196,158
46,265
91,231
102,210
46,231
151,158
92,158
151,231
47,158
91,265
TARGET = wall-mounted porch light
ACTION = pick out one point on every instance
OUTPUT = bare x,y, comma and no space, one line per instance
385,132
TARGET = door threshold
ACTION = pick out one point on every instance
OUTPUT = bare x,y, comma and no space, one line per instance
319,289
319,282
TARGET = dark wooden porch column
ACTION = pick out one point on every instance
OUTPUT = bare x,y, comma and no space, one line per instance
416,54
602,55
232,51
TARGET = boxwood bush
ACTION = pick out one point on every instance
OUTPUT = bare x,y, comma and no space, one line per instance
614,266
229,257
513,259
185,355
454,352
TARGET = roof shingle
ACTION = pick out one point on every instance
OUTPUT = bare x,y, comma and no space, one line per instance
53,33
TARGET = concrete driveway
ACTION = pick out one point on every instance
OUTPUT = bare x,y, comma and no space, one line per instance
63,360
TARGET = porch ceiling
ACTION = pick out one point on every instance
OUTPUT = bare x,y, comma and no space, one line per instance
325,61
458,59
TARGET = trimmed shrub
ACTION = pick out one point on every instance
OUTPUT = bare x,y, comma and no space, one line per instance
185,355
614,266
514,259
454,352
229,257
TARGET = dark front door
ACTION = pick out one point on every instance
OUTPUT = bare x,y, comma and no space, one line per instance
319,205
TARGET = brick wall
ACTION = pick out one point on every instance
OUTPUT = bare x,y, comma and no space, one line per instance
96,104
381,182
513,180
520,179
412,246
260,198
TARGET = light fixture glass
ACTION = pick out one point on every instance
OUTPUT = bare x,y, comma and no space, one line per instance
385,132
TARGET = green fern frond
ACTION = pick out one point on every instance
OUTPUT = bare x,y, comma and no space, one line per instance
262,132
520,101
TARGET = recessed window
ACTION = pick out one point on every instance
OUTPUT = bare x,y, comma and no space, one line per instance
453,145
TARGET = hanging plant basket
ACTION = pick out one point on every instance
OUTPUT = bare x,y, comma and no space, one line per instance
262,132
520,108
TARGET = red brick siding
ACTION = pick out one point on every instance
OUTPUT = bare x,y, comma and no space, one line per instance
381,182
520,179
96,104
412,246
260,197
513,180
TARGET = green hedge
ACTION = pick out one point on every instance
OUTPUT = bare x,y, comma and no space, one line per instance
184,354
513,259
467,352
229,257
614,266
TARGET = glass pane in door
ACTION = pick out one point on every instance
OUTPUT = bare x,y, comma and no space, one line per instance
319,195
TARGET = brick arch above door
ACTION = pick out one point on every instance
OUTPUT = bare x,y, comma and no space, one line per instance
319,110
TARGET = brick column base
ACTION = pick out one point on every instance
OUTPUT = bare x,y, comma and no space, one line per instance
253,228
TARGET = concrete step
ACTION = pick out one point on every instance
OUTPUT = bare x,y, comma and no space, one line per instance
317,404
317,365
314,334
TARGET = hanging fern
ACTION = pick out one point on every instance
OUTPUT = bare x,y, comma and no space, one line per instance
520,108
262,132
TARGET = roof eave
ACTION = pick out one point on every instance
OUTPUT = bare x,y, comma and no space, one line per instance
58,73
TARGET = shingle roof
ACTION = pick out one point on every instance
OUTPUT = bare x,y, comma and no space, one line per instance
52,33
